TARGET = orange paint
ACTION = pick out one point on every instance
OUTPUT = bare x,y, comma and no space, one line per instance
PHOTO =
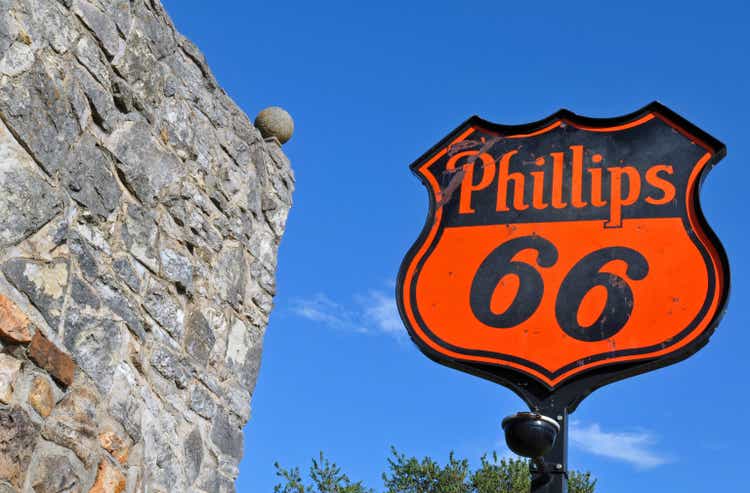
487,173
616,200
505,179
558,160
665,186
577,179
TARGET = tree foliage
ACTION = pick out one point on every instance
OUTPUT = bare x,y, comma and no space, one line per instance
325,475
411,475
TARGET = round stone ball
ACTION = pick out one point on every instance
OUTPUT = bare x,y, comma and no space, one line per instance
275,122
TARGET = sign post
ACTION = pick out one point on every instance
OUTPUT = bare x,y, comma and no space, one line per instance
563,255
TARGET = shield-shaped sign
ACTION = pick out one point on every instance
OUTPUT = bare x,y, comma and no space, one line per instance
567,253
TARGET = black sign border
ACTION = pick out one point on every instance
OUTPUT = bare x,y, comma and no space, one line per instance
570,393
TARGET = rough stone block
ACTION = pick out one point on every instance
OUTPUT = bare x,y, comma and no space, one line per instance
55,474
177,268
108,479
89,178
18,435
139,233
121,304
14,324
199,339
170,367
124,269
193,449
53,360
43,102
41,397
201,401
44,283
143,163
72,424
227,436
27,201
93,340
9,368
165,309
101,25
115,444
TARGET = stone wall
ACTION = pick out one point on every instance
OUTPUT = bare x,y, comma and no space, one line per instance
140,215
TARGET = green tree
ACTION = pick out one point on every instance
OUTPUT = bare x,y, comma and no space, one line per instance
411,475
512,476
325,475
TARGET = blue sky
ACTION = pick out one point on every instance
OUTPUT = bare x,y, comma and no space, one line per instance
371,86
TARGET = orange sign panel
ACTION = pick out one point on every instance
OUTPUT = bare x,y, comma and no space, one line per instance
566,248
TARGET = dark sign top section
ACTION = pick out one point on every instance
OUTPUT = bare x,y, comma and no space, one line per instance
567,173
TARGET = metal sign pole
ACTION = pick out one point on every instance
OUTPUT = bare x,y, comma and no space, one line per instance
551,474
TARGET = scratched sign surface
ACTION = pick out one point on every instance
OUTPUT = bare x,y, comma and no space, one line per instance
560,247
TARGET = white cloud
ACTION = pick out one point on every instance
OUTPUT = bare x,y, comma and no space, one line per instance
374,312
633,447
380,309
320,308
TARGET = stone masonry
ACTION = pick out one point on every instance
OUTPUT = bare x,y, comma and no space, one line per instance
140,215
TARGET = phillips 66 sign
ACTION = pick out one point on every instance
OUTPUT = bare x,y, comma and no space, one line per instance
566,253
